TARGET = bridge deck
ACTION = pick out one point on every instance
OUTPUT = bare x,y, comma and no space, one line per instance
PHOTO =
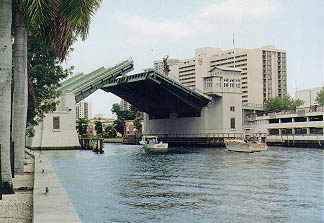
157,94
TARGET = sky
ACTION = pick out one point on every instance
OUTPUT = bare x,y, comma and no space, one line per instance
148,30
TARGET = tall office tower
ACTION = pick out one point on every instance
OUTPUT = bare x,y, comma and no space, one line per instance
84,110
125,105
263,76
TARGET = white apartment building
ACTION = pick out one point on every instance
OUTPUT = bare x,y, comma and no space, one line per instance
84,110
264,70
125,105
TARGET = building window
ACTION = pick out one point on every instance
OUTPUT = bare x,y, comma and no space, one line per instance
300,131
232,123
238,85
225,82
286,131
316,131
208,83
232,108
231,83
56,122
273,131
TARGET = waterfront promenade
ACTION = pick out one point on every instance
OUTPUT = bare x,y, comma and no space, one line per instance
39,195
18,207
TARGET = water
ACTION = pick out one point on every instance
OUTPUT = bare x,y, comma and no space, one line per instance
125,184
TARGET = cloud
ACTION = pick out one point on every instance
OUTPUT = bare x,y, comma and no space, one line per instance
147,30
238,8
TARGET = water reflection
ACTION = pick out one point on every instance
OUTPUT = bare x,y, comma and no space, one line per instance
193,185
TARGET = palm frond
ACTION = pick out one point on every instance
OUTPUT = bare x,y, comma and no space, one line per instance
59,22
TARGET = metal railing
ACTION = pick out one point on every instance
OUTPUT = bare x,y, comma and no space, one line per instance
198,135
253,105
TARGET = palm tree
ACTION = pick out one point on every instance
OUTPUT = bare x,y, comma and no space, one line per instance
5,92
57,23
20,91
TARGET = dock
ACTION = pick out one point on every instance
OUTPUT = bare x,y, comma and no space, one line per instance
94,144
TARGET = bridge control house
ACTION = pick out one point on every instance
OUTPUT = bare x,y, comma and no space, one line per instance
221,117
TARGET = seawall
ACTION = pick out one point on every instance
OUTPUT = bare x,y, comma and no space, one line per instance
50,201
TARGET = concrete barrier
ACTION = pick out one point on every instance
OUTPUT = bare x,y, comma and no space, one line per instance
50,201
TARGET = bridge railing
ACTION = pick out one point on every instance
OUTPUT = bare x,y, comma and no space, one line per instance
199,135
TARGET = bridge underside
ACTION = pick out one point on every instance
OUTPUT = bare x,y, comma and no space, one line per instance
157,95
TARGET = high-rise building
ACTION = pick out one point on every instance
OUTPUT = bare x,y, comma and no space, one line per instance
125,105
263,76
84,110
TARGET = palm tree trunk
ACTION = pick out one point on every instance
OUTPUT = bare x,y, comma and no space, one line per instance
5,92
20,93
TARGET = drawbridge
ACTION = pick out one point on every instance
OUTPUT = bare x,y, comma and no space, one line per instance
150,91
157,94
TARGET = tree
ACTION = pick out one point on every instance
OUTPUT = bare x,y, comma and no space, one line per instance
110,131
19,99
285,103
45,74
56,23
82,127
119,125
116,109
98,127
137,122
320,97
5,93
122,115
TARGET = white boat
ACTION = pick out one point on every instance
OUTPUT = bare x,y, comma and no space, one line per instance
239,145
151,144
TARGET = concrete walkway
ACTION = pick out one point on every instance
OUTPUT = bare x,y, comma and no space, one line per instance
18,207
50,201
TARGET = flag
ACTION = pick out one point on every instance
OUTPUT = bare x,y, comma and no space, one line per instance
233,40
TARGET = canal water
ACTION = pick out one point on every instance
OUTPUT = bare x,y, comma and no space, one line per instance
125,184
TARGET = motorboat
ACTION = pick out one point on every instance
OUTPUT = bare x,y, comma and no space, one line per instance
240,145
151,144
